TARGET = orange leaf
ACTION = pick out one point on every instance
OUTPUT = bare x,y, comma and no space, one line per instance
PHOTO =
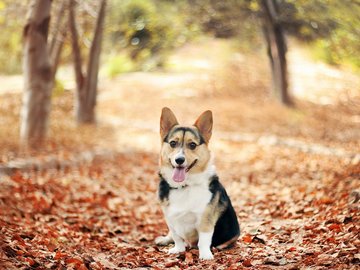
247,238
81,267
247,263
326,200
335,227
171,263
59,255
18,178
20,252
19,239
30,261
189,258
73,261
331,240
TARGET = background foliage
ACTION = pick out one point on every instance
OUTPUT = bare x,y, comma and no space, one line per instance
10,38
141,33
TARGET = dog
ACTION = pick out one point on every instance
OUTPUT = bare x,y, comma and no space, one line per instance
196,207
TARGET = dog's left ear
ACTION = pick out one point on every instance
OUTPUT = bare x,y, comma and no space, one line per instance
204,124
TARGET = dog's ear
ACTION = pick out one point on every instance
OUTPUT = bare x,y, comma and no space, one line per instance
204,124
167,122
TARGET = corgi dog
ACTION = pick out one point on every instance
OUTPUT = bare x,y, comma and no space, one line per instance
196,207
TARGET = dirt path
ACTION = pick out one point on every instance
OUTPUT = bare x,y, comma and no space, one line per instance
132,102
318,82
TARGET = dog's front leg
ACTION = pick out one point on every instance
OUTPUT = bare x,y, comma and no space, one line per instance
204,245
206,227
179,243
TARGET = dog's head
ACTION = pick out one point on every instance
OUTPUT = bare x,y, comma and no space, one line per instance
184,149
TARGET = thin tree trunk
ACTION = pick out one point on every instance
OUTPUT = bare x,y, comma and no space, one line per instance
58,37
37,74
79,76
86,84
276,48
57,29
56,53
93,68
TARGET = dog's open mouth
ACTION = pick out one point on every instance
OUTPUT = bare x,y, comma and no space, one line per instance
179,173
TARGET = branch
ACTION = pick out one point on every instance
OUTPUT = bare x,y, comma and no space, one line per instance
75,47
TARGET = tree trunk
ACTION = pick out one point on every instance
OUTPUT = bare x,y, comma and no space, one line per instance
87,84
57,29
276,49
58,37
93,67
37,74
79,76
56,53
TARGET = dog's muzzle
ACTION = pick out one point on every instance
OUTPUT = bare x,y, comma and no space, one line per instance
191,165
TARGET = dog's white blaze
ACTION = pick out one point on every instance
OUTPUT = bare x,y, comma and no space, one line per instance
180,153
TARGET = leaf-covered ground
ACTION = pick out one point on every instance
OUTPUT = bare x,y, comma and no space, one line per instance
104,215
293,175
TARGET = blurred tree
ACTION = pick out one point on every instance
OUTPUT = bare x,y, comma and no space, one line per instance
230,18
276,49
86,84
11,24
37,74
223,19
331,27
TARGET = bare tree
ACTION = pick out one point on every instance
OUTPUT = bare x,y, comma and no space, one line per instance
41,60
37,74
276,48
86,84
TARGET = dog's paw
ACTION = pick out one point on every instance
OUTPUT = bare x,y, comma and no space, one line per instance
205,255
175,250
163,240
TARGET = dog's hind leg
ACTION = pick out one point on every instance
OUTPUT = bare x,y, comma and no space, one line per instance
164,240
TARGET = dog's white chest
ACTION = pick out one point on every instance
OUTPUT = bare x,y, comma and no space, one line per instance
186,207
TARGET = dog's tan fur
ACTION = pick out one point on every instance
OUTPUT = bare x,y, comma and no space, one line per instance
201,153
211,214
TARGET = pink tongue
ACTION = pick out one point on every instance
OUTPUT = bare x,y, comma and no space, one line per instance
179,174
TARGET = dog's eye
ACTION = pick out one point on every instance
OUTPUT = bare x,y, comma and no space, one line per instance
192,145
173,144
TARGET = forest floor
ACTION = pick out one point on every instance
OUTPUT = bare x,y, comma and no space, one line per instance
87,200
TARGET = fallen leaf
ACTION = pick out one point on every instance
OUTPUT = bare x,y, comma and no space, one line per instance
247,238
325,259
59,255
189,258
247,263
335,227
30,261
171,263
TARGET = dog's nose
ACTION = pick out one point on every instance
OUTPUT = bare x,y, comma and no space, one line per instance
180,160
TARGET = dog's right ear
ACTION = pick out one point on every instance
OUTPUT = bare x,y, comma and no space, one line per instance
167,122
